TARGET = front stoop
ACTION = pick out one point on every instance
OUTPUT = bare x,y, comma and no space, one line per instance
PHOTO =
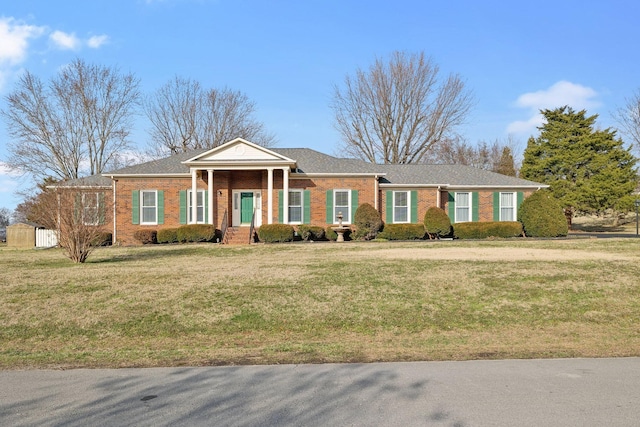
237,236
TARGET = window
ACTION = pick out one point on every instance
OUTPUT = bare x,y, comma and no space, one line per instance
295,206
507,207
199,207
342,204
90,208
463,207
149,207
401,206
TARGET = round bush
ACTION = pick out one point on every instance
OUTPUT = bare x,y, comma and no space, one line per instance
541,216
367,221
437,223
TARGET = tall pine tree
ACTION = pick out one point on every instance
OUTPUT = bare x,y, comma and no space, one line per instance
587,170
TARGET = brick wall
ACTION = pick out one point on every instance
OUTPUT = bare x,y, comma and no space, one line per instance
224,182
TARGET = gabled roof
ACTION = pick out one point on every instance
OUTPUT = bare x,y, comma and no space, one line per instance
305,161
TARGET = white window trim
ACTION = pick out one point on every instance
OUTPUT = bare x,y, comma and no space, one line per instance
142,206
408,207
514,197
96,219
301,192
189,206
469,206
346,216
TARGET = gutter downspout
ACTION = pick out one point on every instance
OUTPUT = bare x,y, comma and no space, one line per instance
375,193
114,237
438,198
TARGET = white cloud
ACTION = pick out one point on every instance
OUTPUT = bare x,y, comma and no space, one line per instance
96,41
65,41
14,40
558,95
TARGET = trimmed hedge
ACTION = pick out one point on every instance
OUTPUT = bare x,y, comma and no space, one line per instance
311,232
333,236
541,216
146,236
275,233
167,235
367,221
402,232
437,223
483,230
197,233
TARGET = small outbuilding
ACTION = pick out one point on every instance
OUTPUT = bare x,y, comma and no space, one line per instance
22,235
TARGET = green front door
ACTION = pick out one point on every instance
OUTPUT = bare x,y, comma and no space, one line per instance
246,207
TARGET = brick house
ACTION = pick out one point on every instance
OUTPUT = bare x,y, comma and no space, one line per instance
239,182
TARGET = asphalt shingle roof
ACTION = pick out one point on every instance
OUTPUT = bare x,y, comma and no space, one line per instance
310,161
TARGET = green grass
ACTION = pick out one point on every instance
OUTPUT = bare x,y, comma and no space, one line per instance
320,302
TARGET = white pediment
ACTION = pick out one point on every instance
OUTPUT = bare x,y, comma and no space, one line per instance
239,150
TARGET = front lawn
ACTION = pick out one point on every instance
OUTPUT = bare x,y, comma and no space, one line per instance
208,304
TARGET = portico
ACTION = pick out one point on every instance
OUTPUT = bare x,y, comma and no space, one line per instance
246,200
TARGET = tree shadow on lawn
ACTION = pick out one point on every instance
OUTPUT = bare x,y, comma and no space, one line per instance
153,253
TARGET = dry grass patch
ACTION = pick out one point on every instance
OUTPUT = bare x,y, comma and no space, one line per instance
208,304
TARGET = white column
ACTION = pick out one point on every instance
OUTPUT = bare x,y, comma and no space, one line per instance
269,195
285,195
194,193
210,201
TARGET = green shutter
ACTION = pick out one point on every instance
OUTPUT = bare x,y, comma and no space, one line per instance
414,207
475,201
101,209
330,219
306,209
520,198
206,207
451,206
160,207
389,207
183,206
496,206
280,206
354,205
135,207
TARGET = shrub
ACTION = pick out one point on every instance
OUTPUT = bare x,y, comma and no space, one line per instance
332,235
402,232
437,223
367,221
541,216
145,236
196,233
167,235
311,232
275,233
103,239
483,230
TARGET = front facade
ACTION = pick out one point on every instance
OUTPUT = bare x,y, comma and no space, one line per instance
240,184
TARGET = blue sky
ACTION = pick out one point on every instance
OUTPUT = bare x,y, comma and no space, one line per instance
516,57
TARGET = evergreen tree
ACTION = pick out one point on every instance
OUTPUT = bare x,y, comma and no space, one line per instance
587,170
506,165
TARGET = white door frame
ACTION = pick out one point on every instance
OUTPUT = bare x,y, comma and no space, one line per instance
235,206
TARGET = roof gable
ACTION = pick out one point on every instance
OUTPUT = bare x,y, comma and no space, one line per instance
239,150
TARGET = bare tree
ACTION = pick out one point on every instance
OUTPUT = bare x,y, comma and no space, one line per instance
184,117
78,216
5,217
628,117
398,110
75,125
495,157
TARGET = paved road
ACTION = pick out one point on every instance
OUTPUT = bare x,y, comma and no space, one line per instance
564,392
